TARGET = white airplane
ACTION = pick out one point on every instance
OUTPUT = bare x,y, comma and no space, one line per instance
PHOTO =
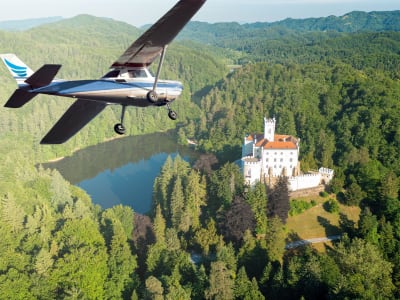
128,83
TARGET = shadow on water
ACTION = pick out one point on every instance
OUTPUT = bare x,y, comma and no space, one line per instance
122,171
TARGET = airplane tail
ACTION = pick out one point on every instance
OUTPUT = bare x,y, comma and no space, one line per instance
18,69
27,79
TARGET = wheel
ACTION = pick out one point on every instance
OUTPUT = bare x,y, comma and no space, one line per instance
152,96
119,128
172,115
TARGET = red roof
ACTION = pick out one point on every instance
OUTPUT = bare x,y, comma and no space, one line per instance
280,141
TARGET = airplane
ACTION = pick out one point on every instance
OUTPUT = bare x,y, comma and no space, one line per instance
128,82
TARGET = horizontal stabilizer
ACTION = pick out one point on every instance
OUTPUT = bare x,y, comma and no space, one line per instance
19,98
43,76
74,119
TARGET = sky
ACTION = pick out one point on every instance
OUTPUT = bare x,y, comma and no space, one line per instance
141,12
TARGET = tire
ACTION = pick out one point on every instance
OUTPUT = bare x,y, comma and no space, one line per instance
152,97
119,128
172,115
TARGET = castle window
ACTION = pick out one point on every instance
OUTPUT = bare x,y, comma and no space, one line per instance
274,159
291,159
281,159
281,153
266,160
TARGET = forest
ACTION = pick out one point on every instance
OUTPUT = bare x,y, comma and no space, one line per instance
208,236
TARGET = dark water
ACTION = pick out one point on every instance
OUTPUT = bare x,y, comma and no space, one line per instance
122,171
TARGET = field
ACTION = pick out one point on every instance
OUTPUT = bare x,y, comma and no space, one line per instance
317,222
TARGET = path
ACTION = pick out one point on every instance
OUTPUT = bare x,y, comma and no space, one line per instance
312,241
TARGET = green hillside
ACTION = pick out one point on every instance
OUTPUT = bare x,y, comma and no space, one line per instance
338,91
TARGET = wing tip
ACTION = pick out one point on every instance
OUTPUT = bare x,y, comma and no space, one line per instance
50,141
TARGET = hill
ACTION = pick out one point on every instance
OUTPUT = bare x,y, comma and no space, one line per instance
221,33
20,25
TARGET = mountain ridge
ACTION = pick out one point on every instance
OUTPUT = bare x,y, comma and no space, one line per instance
350,22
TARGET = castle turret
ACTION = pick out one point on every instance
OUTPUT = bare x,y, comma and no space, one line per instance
269,129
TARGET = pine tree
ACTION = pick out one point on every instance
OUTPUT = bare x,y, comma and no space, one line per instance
161,185
221,282
177,204
159,225
245,288
195,192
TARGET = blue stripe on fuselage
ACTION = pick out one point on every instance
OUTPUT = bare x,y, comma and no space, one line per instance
82,86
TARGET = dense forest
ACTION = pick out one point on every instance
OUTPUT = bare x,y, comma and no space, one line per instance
208,236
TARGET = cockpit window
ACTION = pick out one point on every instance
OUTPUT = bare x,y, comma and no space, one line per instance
140,73
112,74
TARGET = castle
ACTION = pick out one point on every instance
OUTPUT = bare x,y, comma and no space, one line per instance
270,155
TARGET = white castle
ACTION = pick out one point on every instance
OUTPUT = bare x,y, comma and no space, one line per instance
269,155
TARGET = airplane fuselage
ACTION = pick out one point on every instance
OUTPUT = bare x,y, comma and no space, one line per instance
129,92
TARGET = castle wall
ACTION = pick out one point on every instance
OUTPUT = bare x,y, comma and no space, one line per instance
305,181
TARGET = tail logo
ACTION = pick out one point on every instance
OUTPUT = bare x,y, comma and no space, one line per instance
19,71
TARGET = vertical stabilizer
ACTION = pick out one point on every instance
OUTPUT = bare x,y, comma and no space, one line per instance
18,69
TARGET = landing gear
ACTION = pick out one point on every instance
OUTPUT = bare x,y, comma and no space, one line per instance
152,96
120,128
171,114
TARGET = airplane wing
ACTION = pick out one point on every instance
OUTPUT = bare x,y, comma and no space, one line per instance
74,119
150,44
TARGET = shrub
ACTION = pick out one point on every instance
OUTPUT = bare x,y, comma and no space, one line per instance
332,206
324,194
299,206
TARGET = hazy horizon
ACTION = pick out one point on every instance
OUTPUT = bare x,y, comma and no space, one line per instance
141,12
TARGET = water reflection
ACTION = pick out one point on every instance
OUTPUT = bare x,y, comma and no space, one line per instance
122,170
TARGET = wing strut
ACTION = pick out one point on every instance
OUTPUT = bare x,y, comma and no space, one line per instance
152,95
159,67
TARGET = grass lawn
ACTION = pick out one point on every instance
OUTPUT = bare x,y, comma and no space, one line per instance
317,222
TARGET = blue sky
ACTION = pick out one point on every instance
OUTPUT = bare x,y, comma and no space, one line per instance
140,12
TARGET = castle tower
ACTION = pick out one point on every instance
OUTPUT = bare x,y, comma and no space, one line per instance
269,129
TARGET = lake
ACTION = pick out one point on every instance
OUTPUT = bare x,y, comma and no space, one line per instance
122,171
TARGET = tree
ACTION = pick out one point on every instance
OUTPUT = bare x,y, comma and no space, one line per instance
225,183
245,288
275,239
364,273
353,194
257,198
252,255
207,237
177,203
368,226
195,192
121,263
278,200
236,220
81,265
154,289
159,225
221,282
